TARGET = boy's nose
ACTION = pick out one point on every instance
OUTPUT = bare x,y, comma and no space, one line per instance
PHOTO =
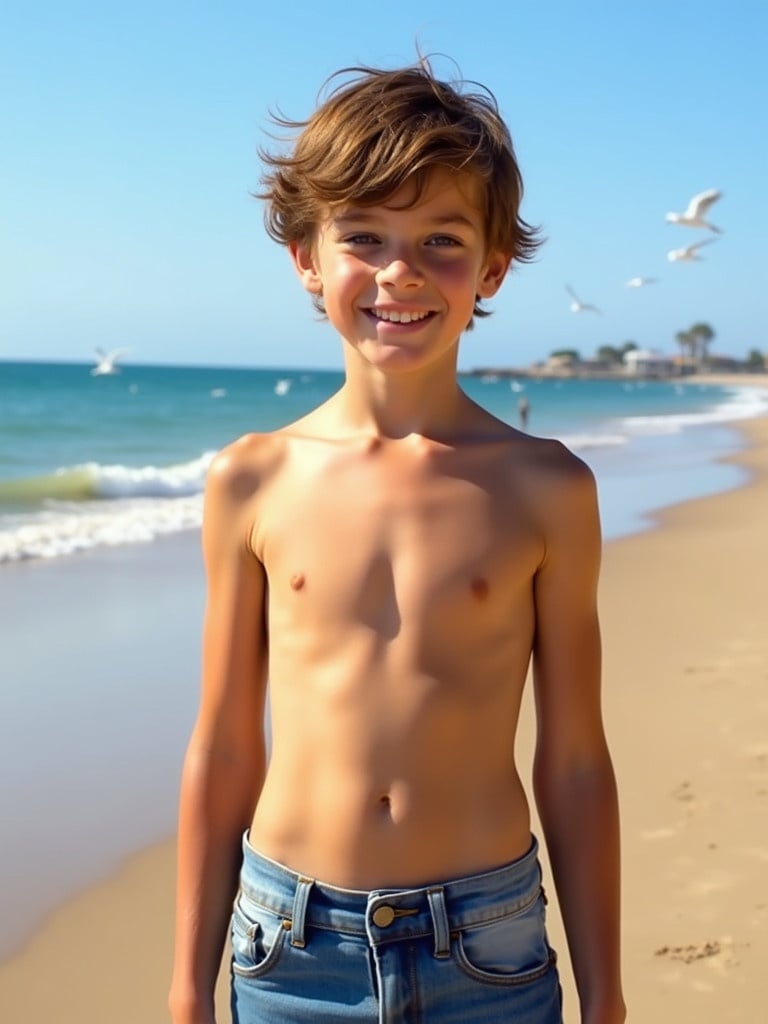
402,272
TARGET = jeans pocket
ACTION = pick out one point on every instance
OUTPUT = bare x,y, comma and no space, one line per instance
258,938
510,949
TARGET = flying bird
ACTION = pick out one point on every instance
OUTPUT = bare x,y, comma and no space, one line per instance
640,282
689,253
106,362
577,306
694,215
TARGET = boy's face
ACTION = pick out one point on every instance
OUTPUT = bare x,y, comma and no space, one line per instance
399,281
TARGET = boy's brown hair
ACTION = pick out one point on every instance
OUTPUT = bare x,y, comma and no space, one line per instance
379,129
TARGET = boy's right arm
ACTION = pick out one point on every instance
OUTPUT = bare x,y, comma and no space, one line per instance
225,761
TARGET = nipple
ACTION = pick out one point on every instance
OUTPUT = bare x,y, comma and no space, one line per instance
297,581
479,588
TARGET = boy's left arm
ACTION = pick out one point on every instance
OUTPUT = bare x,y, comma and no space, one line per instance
574,783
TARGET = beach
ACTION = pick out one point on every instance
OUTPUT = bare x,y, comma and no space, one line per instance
683,608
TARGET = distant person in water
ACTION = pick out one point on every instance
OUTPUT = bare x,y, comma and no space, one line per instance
523,412
392,561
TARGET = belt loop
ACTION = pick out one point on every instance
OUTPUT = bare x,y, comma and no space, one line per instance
436,899
300,911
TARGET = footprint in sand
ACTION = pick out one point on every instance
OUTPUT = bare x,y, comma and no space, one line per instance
689,954
720,955
684,793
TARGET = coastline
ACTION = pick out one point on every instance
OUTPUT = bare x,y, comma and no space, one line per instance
682,608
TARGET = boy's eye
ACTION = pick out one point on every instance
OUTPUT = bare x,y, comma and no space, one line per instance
440,240
361,239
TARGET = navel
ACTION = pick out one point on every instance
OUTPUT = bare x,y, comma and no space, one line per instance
479,588
297,581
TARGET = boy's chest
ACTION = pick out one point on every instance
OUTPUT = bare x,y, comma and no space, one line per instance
380,547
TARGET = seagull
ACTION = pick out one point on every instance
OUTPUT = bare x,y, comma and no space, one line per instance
640,282
107,361
695,213
689,253
577,306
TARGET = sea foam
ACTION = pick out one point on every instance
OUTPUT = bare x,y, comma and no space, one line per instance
67,528
92,505
92,480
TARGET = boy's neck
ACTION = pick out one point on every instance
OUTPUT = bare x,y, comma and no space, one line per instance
427,403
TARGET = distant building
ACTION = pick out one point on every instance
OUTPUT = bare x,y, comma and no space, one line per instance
561,363
645,362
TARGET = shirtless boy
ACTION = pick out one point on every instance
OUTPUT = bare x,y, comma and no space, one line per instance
392,562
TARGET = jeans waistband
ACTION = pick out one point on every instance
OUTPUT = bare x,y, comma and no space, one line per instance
389,914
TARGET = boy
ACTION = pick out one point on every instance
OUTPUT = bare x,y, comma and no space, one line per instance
392,561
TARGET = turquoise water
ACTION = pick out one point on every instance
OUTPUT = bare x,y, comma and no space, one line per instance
87,461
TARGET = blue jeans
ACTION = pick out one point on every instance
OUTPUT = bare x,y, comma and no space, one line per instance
467,951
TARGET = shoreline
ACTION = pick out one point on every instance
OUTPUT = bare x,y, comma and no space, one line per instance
685,657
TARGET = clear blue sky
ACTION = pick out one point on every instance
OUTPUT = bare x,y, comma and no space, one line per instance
128,154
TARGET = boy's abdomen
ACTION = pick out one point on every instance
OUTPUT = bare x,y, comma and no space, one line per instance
366,810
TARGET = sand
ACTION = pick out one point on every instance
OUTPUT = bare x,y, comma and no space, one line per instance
684,609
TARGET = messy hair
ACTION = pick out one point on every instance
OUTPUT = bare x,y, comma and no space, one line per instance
376,129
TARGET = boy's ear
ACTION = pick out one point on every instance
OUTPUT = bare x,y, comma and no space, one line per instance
494,272
306,267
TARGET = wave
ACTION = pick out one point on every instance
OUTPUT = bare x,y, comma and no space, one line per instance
581,442
69,528
740,404
91,480
91,505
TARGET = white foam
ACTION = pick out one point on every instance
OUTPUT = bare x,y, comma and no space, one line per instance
66,528
148,481
741,404
580,442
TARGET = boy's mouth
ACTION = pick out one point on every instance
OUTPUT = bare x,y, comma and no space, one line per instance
399,316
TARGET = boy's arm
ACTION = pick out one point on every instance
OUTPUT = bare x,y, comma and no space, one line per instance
225,761
574,781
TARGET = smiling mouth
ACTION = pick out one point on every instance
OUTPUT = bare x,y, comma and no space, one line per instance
399,316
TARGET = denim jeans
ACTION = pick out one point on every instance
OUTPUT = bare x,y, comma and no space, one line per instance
467,951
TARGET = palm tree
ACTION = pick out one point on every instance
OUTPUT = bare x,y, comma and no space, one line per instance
687,342
702,335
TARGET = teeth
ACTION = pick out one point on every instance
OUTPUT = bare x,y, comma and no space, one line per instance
398,318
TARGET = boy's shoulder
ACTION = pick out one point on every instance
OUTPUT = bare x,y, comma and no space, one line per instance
545,476
244,464
544,458
554,466
553,458
240,468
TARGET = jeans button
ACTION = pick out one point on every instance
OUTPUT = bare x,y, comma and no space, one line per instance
383,916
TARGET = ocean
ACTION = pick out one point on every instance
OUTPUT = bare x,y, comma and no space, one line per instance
89,461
